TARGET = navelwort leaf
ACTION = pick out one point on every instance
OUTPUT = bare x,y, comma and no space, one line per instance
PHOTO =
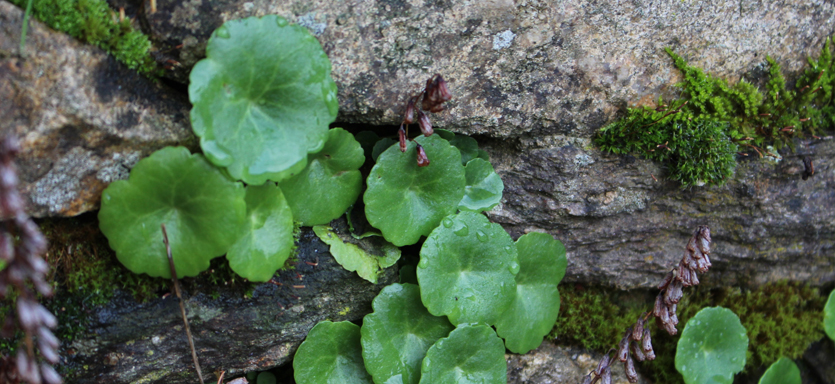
202,209
331,354
263,98
484,187
396,336
353,254
267,240
712,347
329,184
829,316
784,371
405,201
467,268
471,354
537,301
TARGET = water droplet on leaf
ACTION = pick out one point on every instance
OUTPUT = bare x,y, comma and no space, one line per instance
513,267
447,222
482,237
222,32
464,230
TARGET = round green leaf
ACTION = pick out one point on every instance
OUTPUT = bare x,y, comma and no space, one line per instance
471,354
380,146
396,336
405,201
536,304
467,268
329,184
331,354
784,371
263,98
265,378
829,316
267,240
484,187
467,146
202,209
712,347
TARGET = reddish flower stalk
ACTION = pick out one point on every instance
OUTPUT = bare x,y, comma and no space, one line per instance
21,247
637,340
435,93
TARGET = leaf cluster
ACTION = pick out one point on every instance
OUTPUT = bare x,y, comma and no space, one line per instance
471,276
94,22
699,134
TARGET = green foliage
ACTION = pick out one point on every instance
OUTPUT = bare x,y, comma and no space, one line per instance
330,183
263,98
484,187
712,347
396,336
784,371
331,354
406,201
696,149
267,239
698,135
202,209
595,318
94,22
536,304
829,316
455,359
782,319
360,255
467,269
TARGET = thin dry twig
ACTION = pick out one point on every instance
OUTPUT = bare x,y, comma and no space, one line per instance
182,305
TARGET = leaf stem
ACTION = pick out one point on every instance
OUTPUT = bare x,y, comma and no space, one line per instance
182,306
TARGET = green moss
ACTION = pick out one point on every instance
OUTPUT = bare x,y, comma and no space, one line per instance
699,134
593,317
782,319
94,22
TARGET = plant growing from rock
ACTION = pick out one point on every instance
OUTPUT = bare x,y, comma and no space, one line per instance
637,340
699,135
471,270
21,269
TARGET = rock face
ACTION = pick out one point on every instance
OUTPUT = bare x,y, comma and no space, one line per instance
83,119
530,67
128,342
555,364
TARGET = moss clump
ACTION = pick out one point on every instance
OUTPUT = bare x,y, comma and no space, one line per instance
698,135
593,317
94,22
782,319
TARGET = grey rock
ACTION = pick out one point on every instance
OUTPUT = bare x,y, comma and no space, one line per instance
129,342
554,364
516,67
623,228
83,119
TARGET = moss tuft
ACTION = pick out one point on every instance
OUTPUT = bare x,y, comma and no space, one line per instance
94,22
698,135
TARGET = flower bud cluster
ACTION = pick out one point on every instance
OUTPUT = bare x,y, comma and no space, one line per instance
434,95
636,343
696,260
21,247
